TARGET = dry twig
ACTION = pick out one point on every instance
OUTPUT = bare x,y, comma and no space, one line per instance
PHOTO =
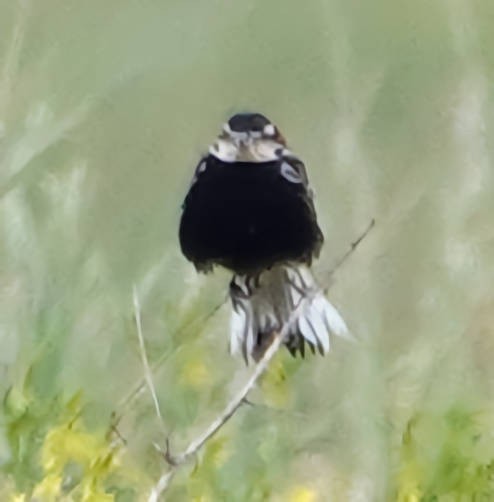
177,460
140,386
348,253
145,362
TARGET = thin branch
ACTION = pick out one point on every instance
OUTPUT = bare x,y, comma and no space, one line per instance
147,370
139,387
175,461
161,486
348,253
233,405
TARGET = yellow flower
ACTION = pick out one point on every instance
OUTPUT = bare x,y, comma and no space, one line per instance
302,494
195,373
91,493
217,451
274,385
412,495
49,488
18,497
65,443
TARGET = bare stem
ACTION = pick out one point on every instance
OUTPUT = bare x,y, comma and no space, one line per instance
175,461
161,486
139,387
342,259
145,362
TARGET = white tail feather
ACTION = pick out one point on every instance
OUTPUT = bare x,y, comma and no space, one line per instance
263,306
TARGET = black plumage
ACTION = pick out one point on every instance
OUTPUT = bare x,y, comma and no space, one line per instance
250,209
246,216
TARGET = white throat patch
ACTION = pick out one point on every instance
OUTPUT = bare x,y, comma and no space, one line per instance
246,149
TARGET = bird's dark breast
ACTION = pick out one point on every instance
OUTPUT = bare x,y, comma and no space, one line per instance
247,217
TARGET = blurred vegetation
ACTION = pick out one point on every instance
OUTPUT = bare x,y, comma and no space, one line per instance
105,108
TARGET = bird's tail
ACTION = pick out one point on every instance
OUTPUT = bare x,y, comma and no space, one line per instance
262,305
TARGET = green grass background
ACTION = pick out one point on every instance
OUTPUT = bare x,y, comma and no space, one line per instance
105,107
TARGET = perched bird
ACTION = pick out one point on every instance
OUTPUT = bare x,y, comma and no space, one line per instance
250,209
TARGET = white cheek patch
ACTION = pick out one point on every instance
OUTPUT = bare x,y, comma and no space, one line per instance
290,173
266,150
224,150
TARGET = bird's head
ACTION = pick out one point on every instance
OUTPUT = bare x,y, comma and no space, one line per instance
248,137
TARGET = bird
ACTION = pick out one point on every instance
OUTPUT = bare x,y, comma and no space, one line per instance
250,209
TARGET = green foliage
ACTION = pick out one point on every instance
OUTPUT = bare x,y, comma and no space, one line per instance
105,108
447,457
54,456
